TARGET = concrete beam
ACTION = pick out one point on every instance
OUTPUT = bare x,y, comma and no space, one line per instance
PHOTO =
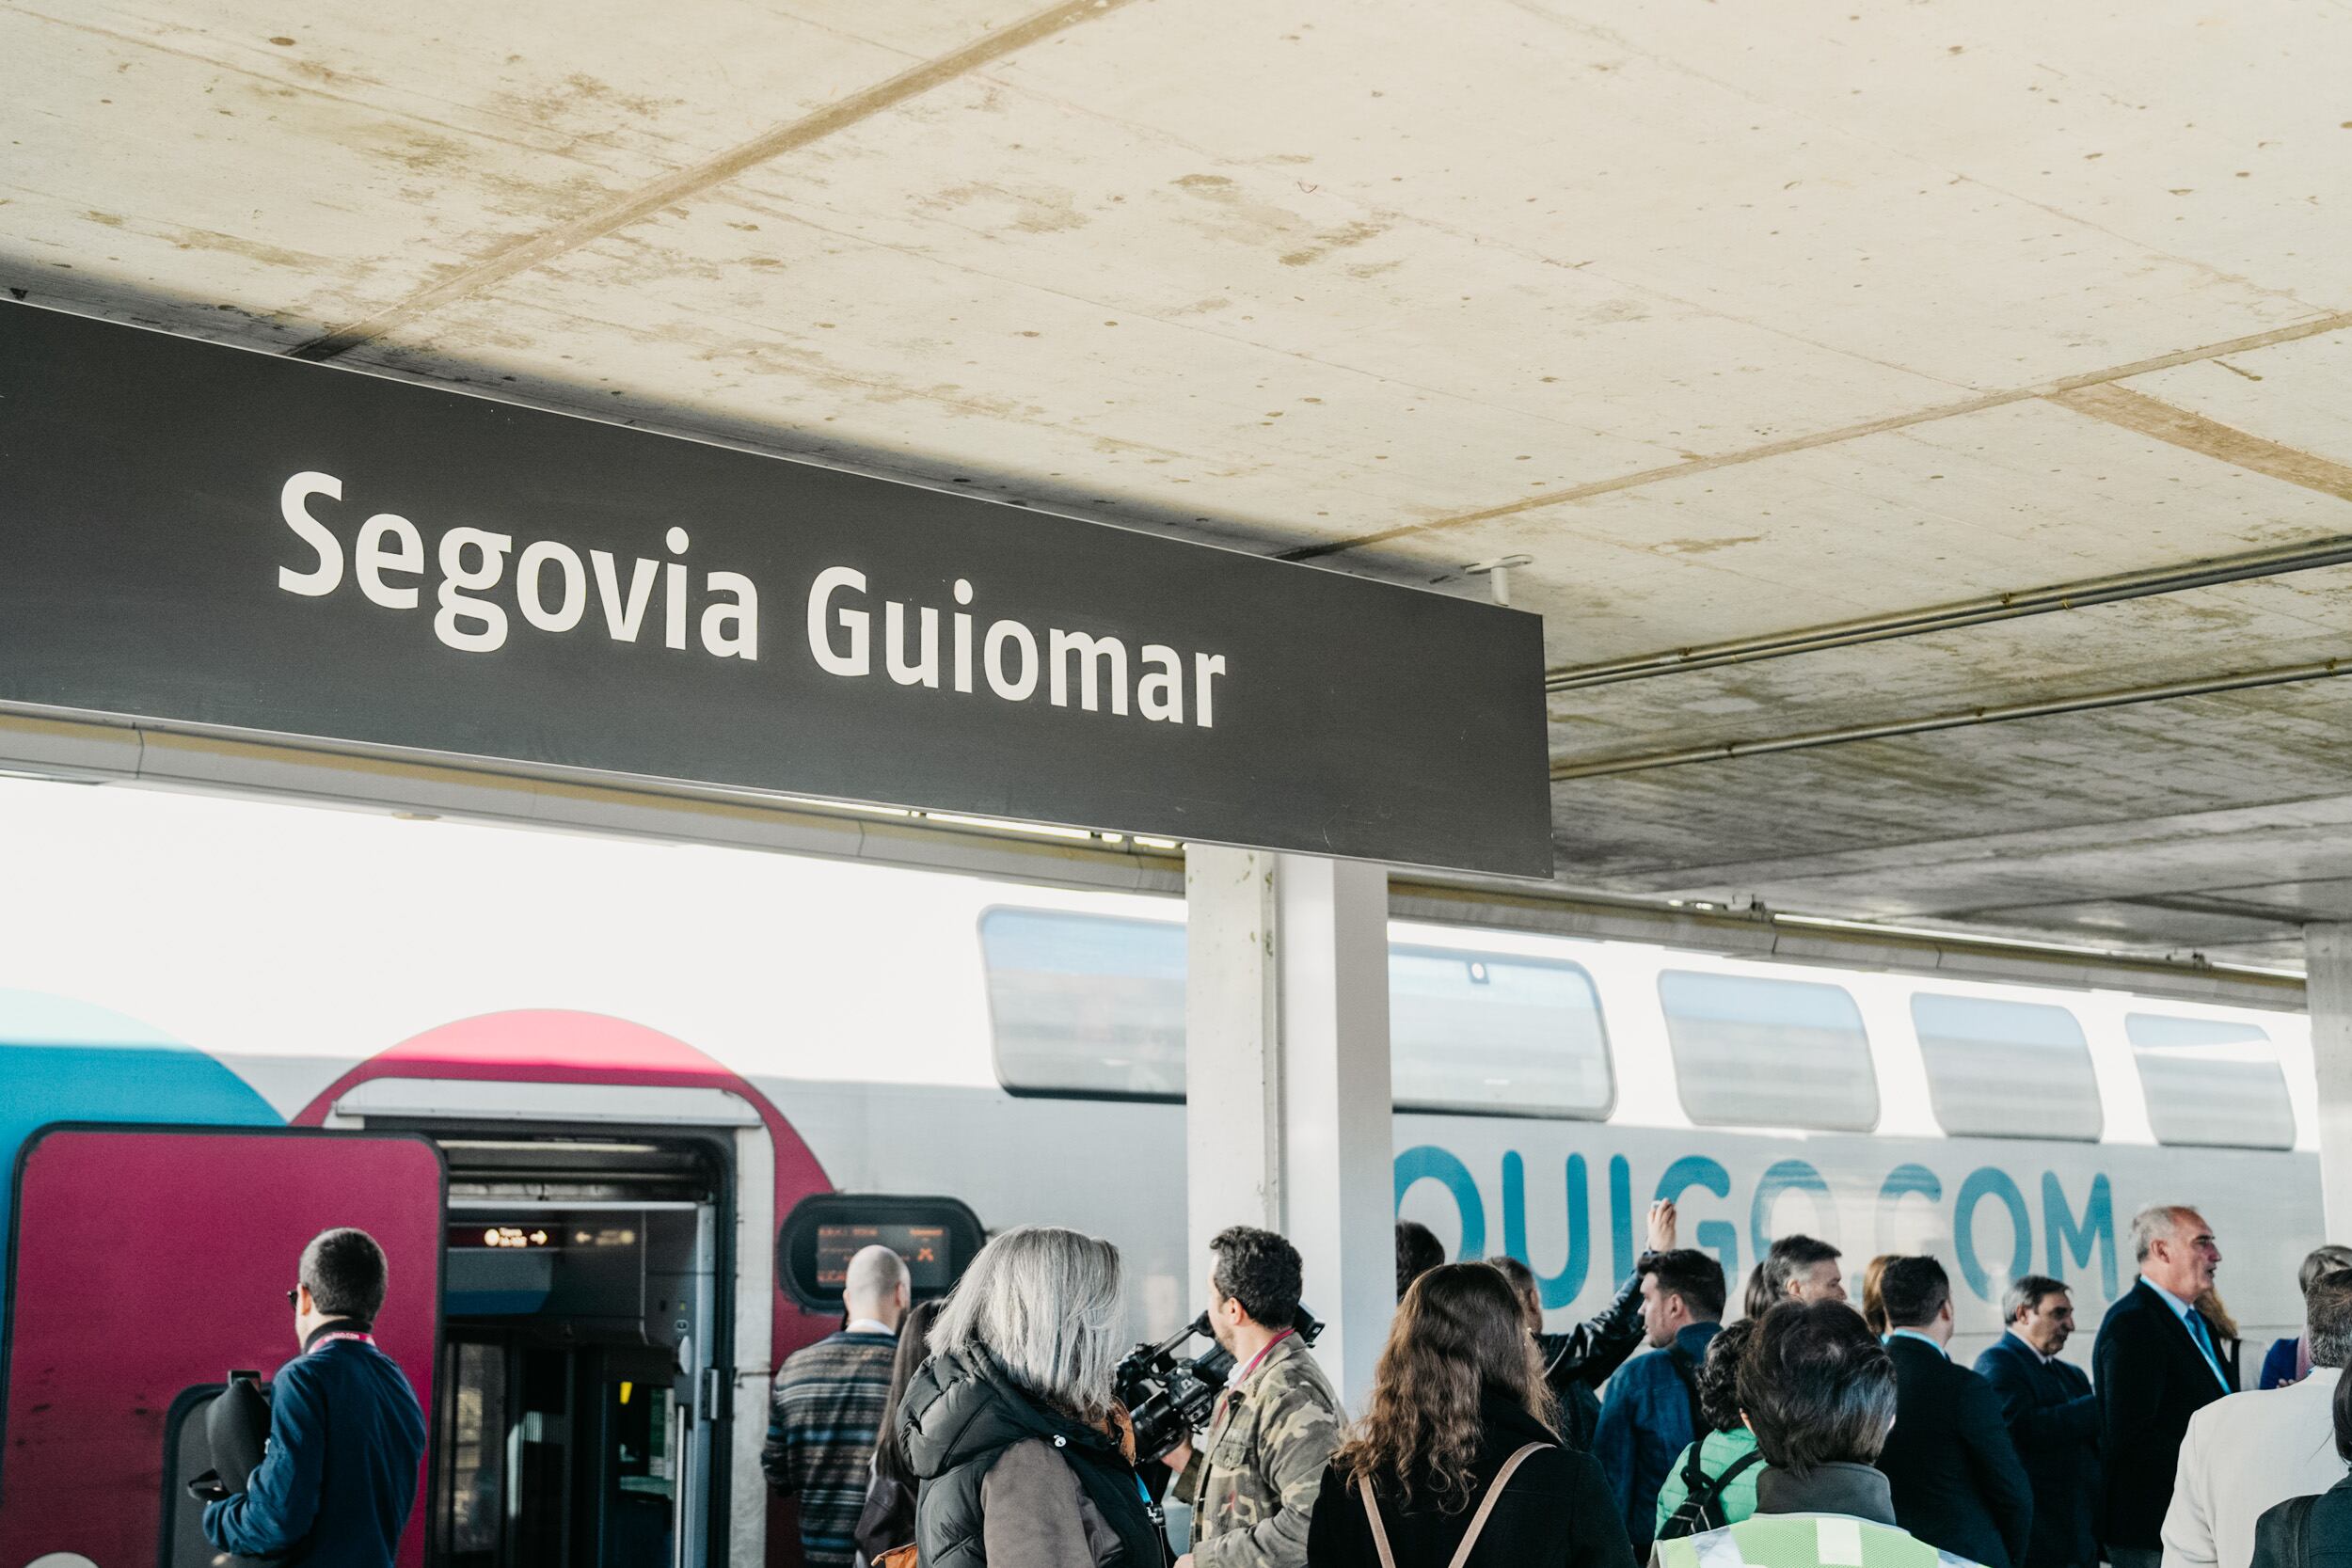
1287,1109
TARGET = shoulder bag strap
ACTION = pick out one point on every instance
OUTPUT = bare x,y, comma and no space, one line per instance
1379,1531
2303,1507
1478,1521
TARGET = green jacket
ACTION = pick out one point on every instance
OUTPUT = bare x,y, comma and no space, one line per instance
1254,1474
1717,1451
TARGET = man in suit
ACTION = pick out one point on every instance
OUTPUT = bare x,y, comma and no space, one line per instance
2053,1419
2248,1452
2154,1366
1956,1482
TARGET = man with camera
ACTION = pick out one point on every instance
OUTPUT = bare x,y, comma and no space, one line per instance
1253,1482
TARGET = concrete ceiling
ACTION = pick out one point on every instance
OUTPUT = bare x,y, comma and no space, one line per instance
1739,322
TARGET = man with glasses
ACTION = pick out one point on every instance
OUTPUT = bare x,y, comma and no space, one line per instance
346,1435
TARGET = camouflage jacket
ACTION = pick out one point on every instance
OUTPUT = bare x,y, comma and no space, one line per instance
1255,1472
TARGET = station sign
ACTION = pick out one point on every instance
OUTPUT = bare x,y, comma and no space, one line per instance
212,536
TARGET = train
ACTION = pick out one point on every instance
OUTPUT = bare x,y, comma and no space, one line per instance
620,1107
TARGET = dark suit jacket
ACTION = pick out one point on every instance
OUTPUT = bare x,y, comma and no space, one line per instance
2053,1417
2152,1378
1957,1481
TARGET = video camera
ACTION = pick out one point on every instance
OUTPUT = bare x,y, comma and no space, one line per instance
1169,1399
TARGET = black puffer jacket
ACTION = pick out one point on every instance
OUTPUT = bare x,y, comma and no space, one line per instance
961,1414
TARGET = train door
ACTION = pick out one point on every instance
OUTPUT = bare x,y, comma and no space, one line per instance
603,1376
583,1364
146,1263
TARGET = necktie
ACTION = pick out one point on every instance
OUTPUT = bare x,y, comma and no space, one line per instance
2195,1321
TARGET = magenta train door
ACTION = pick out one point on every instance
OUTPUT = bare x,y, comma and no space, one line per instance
145,1264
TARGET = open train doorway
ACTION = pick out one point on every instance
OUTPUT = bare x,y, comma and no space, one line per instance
585,1341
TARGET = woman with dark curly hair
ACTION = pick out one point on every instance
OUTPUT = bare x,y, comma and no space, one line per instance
1460,1444
1716,1475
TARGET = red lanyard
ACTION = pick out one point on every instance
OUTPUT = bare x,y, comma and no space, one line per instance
1244,1374
1234,1387
341,1334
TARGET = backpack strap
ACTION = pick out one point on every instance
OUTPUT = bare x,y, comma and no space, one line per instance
1379,1531
1478,1521
2300,1511
1686,1367
1731,1472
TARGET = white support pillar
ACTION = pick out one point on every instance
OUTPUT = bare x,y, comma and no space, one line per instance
2328,958
1288,1123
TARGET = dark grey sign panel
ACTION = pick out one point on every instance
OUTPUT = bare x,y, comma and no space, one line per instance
213,536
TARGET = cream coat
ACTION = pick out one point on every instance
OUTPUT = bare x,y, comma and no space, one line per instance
2243,1454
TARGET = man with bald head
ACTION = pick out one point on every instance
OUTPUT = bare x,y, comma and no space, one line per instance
827,1409
2155,1365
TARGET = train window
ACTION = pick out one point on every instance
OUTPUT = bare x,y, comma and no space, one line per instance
2007,1069
1086,1004
2211,1082
1767,1052
1478,1033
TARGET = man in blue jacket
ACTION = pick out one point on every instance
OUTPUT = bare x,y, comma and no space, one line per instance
346,1435
2053,1419
1652,1413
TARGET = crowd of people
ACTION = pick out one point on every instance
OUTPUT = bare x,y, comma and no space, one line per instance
1809,1432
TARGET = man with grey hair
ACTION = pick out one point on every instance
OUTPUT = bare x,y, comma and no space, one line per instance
2051,1417
2248,1451
2154,1366
827,1409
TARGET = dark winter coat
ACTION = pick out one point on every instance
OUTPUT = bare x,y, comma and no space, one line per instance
1009,1479
1556,1512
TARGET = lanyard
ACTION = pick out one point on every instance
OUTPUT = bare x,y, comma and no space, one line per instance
340,1333
1226,1400
1243,1375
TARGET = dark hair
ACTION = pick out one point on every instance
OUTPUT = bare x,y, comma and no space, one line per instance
1459,1333
1719,1376
1914,1291
2343,1419
1523,1285
347,1272
1816,1387
1757,1299
1259,1269
1791,1255
2328,1318
915,1346
1693,1275
1418,1251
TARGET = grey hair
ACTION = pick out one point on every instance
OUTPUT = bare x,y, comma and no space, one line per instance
1045,1302
2327,1257
2328,1318
2157,1223
2025,1293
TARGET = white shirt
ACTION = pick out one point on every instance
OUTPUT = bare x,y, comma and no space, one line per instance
871,1325
2243,1454
2036,1351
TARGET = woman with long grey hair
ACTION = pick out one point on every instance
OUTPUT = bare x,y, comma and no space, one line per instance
1009,1427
